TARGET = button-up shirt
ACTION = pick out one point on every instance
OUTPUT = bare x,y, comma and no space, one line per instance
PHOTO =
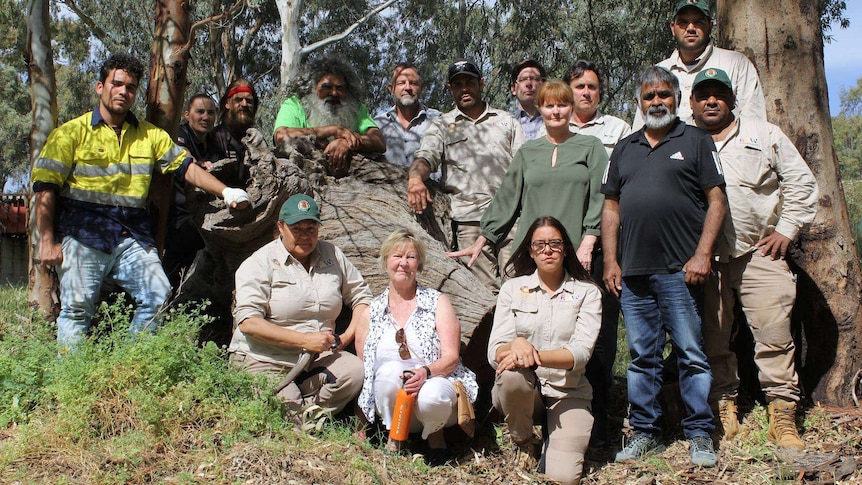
402,143
474,156
769,186
568,319
530,124
273,285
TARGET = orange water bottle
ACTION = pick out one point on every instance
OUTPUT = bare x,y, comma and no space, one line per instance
403,411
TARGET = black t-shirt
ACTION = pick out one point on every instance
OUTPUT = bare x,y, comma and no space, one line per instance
662,200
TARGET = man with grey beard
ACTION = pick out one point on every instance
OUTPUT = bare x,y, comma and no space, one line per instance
324,102
665,182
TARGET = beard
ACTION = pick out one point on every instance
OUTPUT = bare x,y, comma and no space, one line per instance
406,101
239,120
326,112
658,117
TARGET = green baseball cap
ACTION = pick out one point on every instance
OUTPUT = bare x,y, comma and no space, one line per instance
299,207
712,74
702,5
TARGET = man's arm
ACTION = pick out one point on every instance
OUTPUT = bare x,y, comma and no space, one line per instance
418,196
50,251
200,178
698,267
613,276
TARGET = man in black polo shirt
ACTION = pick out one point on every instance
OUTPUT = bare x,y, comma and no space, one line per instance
663,209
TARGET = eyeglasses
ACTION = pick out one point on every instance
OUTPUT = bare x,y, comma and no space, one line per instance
529,78
401,340
555,244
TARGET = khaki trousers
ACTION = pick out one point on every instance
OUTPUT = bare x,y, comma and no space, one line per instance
766,290
489,266
569,422
331,381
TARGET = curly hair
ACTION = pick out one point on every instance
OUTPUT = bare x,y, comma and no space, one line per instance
306,81
123,62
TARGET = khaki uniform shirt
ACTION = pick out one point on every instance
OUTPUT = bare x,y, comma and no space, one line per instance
474,156
769,186
568,319
746,85
273,285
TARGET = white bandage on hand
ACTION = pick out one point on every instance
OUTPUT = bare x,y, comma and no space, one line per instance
232,195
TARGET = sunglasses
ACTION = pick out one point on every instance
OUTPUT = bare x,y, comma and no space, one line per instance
401,340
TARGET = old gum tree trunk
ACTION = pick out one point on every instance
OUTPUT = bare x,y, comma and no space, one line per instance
784,40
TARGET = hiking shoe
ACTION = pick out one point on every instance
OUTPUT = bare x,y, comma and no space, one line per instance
782,424
701,451
527,454
726,411
639,445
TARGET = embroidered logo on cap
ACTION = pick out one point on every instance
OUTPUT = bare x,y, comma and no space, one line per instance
711,73
303,206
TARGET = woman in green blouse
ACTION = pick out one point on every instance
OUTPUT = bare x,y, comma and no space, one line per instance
557,175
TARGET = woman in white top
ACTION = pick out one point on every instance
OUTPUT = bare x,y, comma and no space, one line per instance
412,328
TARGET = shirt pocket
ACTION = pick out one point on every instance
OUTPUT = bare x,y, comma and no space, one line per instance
525,310
754,170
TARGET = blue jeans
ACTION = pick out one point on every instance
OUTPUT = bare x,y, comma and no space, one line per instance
655,305
135,269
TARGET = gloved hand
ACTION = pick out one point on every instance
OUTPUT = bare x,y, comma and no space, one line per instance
253,137
235,198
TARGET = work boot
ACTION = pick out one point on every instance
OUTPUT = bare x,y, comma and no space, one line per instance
726,411
782,424
527,454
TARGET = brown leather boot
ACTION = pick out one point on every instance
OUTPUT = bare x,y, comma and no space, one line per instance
782,424
726,411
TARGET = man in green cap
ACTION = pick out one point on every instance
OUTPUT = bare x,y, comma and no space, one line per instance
288,295
772,197
691,27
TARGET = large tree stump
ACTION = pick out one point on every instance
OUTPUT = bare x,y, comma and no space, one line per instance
358,212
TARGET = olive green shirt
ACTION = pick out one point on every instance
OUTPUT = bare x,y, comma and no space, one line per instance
569,191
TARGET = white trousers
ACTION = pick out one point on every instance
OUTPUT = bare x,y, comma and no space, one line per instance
436,405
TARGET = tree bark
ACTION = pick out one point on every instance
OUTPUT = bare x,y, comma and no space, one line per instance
169,59
358,212
784,40
43,284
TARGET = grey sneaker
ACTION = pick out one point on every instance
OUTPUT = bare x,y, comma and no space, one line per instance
639,445
702,452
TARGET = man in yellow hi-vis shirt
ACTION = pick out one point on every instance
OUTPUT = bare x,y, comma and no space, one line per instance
91,182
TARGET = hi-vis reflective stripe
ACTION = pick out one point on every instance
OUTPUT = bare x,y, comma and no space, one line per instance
53,166
103,198
113,169
170,156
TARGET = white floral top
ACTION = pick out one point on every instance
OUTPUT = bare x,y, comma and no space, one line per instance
422,339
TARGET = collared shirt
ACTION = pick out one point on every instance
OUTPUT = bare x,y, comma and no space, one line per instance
402,143
273,285
103,181
530,124
662,202
292,115
743,76
474,156
569,319
769,186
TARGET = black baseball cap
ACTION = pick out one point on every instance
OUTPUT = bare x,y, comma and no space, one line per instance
466,67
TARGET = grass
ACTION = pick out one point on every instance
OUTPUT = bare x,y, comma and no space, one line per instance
163,409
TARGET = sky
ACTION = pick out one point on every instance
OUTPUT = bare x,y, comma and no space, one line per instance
843,56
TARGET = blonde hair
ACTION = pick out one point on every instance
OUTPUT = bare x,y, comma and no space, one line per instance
398,237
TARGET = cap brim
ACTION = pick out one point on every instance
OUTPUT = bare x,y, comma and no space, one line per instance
300,217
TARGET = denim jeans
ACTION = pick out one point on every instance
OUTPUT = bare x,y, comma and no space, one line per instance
135,269
655,305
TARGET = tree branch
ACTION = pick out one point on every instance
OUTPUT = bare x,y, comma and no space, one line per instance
213,18
88,21
335,38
